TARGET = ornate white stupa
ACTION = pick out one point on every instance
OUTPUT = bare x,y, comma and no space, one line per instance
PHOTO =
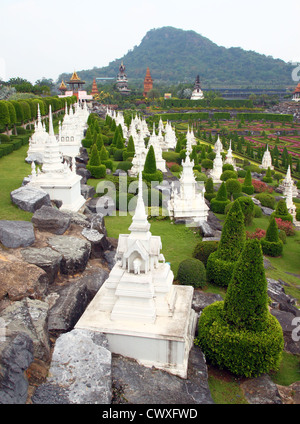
290,204
35,152
139,158
170,136
266,160
288,182
56,177
229,158
218,145
153,141
139,310
217,170
188,204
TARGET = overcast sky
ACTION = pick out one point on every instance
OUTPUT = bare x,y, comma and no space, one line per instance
46,38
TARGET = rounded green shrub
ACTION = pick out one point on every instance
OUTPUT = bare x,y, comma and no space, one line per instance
257,212
233,186
266,200
227,167
226,175
271,244
97,171
175,168
125,166
191,272
203,249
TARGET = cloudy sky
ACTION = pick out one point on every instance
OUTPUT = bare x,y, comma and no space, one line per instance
46,38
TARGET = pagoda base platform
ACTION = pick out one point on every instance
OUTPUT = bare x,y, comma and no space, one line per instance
164,344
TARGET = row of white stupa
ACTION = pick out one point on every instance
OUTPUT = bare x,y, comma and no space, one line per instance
56,176
71,133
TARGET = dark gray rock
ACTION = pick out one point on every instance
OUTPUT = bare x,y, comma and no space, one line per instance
110,257
96,221
77,218
30,316
285,302
119,172
266,211
45,258
214,222
206,230
289,324
136,384
261,390
85,174
50,219
87,191
93,278
75,253
14,234
103,205
81,365
83,157
30,198
99,242
68,308
16,355
202,299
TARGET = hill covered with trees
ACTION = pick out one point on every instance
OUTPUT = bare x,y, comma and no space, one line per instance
175,56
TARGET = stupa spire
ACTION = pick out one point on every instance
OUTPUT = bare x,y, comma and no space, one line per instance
140,224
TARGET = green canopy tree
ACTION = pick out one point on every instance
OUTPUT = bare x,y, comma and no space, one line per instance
4,115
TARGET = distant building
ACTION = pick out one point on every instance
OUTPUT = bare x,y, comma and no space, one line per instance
148,83
75,88
63,88
122,81
296,93
95,91
168,96
197,92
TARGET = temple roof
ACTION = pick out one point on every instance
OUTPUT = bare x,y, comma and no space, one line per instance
297,89
75,79
63,86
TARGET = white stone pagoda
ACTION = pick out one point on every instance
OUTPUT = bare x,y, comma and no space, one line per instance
288,182
139,310
229,158
153,141
56,177
197,93
170,136
266,160
218,145
139,158
35,152
188,203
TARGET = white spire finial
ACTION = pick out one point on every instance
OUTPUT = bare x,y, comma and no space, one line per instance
51,131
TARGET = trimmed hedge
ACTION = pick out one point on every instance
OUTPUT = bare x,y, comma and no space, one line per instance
243,352
204,249
97,171
191,272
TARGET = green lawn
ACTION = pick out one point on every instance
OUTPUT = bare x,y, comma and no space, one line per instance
289,371
13,169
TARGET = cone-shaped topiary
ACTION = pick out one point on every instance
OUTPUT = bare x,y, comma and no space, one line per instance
282,212
220,264
247,187
94,157
103,154
219,203
150,162
246,302
222,192
240,334
209,186
271,244
130,145
99,142
120,142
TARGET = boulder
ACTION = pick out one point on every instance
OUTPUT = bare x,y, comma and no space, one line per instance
77,218
68,307
110,257
14,234
266,211
103,205
80,371
87,191
45,258
141,385
30,317
93,278
16,354
214,222
83,157
96,221
30,198
277,294
290,395
256,201
50,219
261,390
19,279
99,242
202,299
84,173
206,230
75,253
290,327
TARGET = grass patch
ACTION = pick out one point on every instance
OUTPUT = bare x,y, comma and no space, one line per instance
289,371
13,169
224,387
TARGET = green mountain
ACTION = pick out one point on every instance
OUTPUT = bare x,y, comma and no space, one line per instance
175,56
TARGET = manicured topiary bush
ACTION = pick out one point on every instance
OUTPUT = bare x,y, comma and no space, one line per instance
209,190
150,172
281,211
268,177
175,168
227,167
219,203
266,200
272,245
220,264
94,165
247,186
191,272
239,333
125,166
233,186
226,175
204,249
